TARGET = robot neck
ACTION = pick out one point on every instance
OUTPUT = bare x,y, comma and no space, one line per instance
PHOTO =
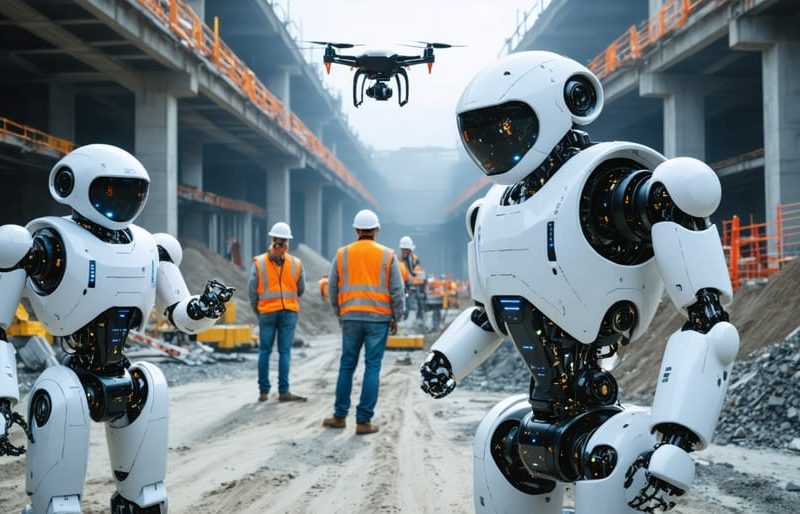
572,143
106,235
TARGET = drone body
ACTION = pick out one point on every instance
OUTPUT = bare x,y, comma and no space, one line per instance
379,66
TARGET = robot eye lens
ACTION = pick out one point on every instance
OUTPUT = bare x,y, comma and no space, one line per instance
498,137
118,199
63,182
580,96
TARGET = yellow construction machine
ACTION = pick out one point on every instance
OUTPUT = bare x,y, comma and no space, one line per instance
23,326
228,336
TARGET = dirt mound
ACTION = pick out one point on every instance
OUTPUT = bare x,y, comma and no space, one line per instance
763,314
200,265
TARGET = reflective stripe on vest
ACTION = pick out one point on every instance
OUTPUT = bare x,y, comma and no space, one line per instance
277,285
363,269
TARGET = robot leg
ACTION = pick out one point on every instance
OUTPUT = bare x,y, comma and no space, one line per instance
611,450
57,455
138,446
501,482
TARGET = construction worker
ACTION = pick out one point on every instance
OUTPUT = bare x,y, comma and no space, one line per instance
277,282
323,288
366,292
408,262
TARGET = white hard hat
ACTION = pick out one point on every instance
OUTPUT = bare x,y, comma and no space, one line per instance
366,220
406,243
281,230
102,183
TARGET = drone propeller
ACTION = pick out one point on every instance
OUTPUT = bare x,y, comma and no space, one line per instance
335,45
439,45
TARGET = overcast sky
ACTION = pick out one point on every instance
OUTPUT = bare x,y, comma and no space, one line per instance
428,119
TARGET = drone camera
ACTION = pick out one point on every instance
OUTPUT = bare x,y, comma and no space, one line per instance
379,91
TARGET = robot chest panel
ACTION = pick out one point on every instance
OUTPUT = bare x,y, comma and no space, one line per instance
97,276
537,250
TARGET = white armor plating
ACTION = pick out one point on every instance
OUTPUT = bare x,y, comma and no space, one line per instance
97,274
514,261
56,461
575,244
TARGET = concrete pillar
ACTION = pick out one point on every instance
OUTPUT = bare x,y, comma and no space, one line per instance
247,239
779,43
279,82
335,224
61,122
199,8
213,232
156,146
313,216
278,195
191,162
684,112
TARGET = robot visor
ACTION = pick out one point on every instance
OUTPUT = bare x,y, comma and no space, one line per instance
498,137
118,199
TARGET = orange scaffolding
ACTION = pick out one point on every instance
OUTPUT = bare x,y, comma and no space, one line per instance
205,42
629,47
231,204
11,131
757,250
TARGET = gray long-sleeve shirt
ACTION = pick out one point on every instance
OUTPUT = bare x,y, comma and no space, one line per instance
396,292
252,284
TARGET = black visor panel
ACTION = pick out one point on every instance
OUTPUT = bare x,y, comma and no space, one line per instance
116,198
498,137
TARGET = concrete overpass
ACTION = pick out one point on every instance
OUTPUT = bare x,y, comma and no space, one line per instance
208,112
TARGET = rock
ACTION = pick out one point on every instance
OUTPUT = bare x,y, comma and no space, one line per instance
740,433
792,414
791,486
795,444
776,401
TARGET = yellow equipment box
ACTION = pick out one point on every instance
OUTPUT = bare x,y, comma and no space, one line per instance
409,342
227,336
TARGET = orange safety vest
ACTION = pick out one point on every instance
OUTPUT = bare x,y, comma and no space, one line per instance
403,271
279,291
323,288
419,276
363,269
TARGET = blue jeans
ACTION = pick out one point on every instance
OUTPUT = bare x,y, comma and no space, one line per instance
372,336
282,322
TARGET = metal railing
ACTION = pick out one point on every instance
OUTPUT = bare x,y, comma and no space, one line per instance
231,204
757,250
630,46
11,131
206,43
523,25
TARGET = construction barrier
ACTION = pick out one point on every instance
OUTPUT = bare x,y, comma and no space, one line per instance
754,251
11,131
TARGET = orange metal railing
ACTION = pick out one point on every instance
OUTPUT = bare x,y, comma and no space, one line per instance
205,41
630,46
36,138
757,250
191,193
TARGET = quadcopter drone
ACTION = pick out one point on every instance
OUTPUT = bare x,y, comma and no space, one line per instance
379,66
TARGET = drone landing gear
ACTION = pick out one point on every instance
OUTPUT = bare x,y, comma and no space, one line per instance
380,90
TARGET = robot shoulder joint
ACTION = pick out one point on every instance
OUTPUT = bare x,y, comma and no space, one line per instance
169,249
15,242
692,185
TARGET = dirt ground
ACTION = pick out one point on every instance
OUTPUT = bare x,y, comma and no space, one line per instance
229,453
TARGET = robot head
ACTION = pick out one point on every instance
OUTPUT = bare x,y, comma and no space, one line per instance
514,112
102,183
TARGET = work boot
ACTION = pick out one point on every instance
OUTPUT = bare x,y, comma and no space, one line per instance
291,397
366,427
262,397
334,422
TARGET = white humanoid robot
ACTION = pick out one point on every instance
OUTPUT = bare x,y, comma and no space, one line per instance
569,254
92,277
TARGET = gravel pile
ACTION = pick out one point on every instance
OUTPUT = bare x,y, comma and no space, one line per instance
763,406
504,371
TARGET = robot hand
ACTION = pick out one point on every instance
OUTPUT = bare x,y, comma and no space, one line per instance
437,375
657,477
7,419
211,304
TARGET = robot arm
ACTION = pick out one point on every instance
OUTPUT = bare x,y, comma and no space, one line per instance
466,343
190,314
15,243
698,359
